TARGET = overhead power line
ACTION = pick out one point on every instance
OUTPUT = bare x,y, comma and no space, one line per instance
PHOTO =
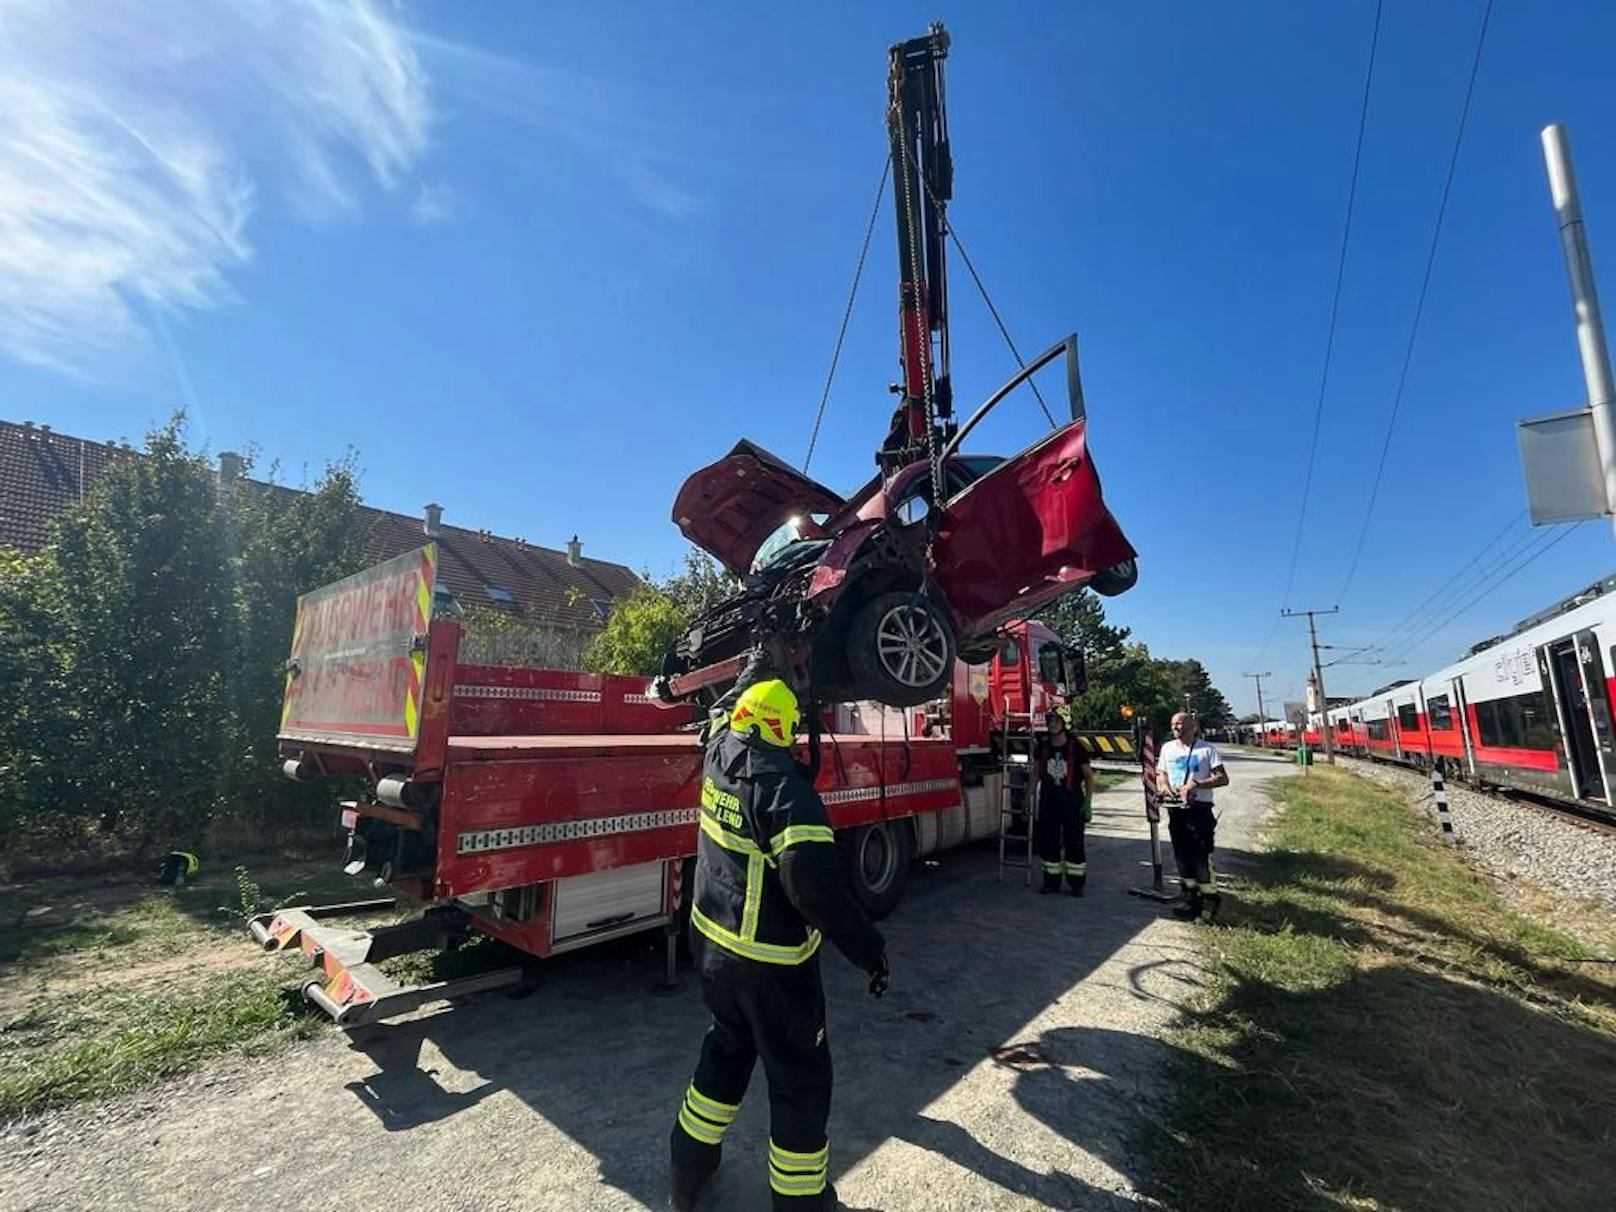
1419,305
1335,307
1528,559
1442,599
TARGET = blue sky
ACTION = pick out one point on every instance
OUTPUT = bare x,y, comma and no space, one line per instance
538,263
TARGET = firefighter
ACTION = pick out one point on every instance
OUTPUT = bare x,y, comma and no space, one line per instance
769,882
178,866
1186,772
1065,805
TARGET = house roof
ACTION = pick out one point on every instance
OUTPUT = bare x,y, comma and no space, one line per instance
43,473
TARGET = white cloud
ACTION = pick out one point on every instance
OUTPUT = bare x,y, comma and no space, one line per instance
434,203
135,141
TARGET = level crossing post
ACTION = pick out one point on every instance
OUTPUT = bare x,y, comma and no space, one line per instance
1439,793
1145,743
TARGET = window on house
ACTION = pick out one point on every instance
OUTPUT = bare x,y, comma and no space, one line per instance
499,595
1439,713
1408,720
602,606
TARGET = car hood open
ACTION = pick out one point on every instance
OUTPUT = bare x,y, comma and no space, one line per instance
729,507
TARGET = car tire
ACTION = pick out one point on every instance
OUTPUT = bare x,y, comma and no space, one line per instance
1119,578
900,649
879,860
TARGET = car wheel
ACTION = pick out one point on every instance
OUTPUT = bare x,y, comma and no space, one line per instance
900,649
879,858
1119,578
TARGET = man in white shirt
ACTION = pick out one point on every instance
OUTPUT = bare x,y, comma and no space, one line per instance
1186,772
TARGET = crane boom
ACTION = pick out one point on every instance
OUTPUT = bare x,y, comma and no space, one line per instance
923,178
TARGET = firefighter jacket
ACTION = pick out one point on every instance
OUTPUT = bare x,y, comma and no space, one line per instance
769,879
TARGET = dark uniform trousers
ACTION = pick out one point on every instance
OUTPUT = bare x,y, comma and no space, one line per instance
1193,829
1061,836
778,1017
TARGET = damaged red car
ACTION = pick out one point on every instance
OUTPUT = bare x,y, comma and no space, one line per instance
875,596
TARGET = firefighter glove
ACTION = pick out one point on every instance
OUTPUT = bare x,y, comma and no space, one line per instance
880,975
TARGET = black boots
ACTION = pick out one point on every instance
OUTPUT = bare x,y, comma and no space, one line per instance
1190,908
1074,884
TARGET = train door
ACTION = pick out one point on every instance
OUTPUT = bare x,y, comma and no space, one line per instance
1462,713
1360,734
1393,731
1562,666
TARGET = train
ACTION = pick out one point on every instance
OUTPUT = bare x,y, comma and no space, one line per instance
1530,710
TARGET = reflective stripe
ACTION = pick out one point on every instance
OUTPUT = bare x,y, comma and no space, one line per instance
1077,868
766,953
726,839
754,897
818,1159
1189,884
698,1128
793,834
711,1108
1053,868
796,1184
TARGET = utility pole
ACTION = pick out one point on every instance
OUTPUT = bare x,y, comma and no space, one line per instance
1318,675
1258,677
1585,302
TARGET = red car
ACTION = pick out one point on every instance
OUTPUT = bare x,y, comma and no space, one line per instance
874,597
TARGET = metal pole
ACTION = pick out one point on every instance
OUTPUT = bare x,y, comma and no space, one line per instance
1262,716
1584,302
1318,678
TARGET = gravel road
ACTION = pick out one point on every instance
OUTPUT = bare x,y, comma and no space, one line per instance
1517,840
1012,1066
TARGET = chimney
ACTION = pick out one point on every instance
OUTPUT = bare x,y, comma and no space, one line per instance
434,520
574,551
231,465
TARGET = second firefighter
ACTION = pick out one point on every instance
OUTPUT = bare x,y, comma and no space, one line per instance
1065,806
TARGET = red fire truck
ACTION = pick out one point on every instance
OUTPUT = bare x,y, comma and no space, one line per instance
556,809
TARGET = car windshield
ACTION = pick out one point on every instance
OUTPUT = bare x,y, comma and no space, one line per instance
779,544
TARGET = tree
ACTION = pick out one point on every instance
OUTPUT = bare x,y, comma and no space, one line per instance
284,543
34,724
699,585
639,630
149,641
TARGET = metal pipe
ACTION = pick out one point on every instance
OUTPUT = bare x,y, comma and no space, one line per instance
1584,302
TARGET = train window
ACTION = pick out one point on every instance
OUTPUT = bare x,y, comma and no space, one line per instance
1377,729
1522,722
1343,728
1010,654
1407,718
1439,713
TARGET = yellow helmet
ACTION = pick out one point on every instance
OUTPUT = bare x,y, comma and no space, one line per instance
768,708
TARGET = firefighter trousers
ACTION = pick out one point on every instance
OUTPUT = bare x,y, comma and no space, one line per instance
777,1016
1193,830
1060,838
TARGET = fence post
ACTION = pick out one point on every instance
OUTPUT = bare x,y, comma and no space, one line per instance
1147,773
1439,792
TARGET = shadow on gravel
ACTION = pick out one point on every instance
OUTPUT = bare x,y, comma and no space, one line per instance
599,1056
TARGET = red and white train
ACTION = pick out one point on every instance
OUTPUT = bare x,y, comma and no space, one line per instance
1531,709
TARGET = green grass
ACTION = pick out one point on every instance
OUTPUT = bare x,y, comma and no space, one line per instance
83,1037
1104,780
62,916
1381,1031
105,1042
